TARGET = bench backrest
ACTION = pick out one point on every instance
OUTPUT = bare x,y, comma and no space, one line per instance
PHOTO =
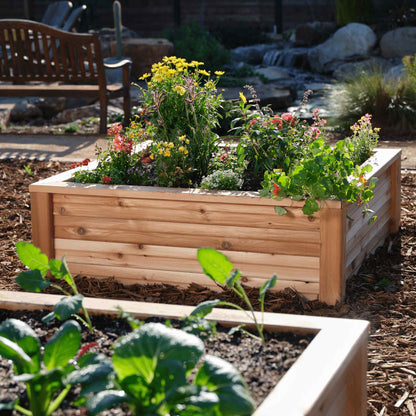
32,51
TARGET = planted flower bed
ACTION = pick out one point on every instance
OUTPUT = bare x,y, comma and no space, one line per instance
328,378
141,234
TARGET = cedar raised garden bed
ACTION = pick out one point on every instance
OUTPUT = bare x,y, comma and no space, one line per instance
329,378
150,235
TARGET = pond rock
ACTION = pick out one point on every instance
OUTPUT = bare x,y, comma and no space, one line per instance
349,69
399,42
352,40
251,54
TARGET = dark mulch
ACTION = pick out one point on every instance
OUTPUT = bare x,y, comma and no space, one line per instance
382,292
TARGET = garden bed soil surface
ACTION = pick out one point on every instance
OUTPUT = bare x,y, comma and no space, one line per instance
383,291
261,366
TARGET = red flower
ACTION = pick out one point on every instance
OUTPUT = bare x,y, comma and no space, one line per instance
106,180
253,122
85,162
223,157
278,121
114,130
147,160
120,144
72,165
362,179
275,189
289,118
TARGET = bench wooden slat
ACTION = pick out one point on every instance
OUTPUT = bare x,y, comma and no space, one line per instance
32,51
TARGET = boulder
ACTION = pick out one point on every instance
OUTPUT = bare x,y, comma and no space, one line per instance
396,72
144,52
313,33
287,57
252,55
352,40
399,42
24,110
72,114
349,69
50,106
107,35
272,73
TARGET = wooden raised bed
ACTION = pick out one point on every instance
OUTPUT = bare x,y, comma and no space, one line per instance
150,235
328,379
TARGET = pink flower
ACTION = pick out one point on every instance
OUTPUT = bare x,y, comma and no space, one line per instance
106,180
289,118
121,145
223,157
314,132
253,122
278,121
114,130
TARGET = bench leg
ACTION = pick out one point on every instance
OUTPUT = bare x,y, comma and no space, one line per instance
103,114
127,107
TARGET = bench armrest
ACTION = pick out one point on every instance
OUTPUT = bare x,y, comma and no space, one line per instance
119,64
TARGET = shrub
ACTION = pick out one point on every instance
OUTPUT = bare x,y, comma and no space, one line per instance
193,42
222,179
391,101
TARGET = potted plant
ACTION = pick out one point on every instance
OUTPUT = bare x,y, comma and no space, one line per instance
141,215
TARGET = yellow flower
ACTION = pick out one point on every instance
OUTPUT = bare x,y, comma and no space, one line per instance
187,141
219,73
182,138
210,84
185,152
160,151
167,153
203,72
376,129
146,75
179,89
243,98
171,72
151,156
170,144
181,149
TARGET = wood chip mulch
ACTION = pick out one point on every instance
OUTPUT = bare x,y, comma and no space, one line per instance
383,292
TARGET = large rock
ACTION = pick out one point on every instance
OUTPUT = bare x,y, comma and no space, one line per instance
72,114
50,106
350,69
399,42
272,73
24,110
352,40
252,55
144,53
313,33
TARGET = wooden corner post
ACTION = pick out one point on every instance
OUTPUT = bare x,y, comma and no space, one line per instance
332,262
42,222
395,170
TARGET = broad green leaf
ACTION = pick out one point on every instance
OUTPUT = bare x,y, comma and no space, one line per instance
60,270
49,317
310,207
105,400
68,306
140,351
222,378
32,257
24,336
62,346
11,351
215,264
32,281
198,401
90,373
267,286
280,210
204,308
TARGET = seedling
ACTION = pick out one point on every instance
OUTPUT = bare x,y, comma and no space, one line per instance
34,280
217,266
43,370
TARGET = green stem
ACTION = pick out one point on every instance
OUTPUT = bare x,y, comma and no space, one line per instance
62,290
57,402
22,410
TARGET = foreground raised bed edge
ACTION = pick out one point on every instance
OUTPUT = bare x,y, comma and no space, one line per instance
329,378
150,235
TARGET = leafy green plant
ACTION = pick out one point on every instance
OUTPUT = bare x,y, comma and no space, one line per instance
43,370
28,170
72,128
194,42
34,280
217,266
150,370
222,179
391,101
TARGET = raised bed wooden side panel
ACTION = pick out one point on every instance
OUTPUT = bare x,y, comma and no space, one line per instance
151,235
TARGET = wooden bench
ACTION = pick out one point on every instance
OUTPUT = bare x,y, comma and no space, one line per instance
37,60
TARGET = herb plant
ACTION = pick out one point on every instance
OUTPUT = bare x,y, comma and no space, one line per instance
34,280
43,370
217,266
150,370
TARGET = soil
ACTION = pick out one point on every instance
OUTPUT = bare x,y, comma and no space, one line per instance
262,366
383,291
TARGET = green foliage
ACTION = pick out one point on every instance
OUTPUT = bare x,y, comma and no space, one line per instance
28,170
193,42
391,101
72,128
217,266
349,11
150,370
34,280
42,370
